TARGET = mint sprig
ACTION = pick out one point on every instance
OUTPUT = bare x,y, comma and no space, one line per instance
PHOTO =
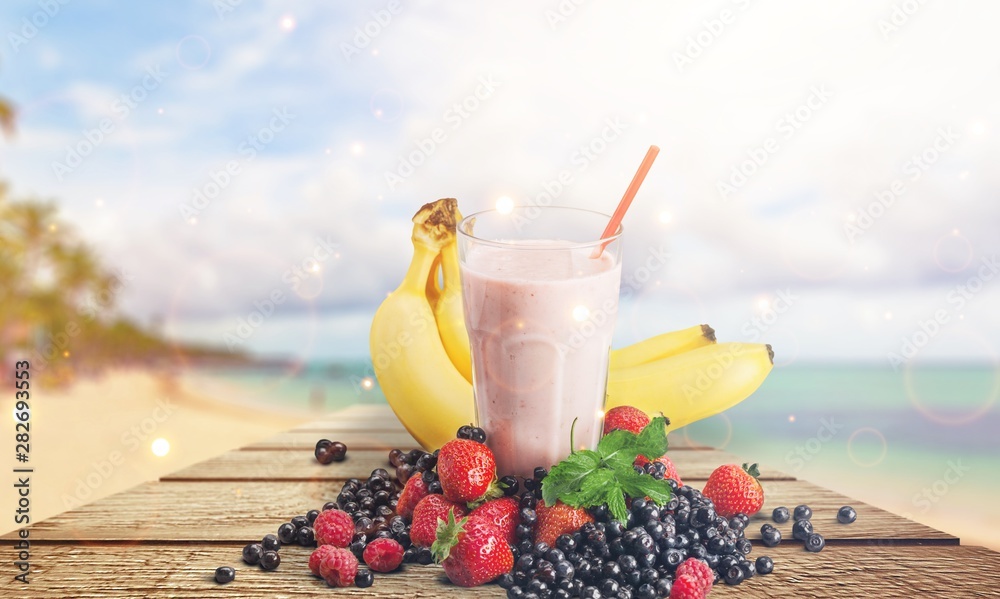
589,478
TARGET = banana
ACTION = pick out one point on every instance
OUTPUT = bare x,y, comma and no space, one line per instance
429,396
693,385
662,346
448,312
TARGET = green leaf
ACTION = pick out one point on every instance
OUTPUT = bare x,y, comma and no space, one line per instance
616,505
618,448
568,475
593,490
652,441
752,470
644,485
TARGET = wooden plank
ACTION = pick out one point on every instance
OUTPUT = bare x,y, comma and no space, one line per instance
185,571
283,464
367,438
241,511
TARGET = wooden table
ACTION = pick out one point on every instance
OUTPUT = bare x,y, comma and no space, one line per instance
165,539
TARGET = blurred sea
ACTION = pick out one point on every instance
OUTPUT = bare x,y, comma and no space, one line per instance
922,442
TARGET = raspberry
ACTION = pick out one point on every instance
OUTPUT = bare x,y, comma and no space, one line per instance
413,492
339,567
687,587
383,555
317,557
334,527
697,569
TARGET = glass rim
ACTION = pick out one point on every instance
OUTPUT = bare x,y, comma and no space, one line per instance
517,246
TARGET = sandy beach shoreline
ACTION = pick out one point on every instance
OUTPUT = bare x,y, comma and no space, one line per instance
95,438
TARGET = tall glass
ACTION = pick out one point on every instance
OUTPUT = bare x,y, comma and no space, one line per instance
540,302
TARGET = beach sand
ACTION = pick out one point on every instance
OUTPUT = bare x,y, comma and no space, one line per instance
96,438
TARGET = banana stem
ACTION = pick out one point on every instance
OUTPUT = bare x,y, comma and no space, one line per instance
420,268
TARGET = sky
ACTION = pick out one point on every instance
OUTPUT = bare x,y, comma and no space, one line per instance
826,183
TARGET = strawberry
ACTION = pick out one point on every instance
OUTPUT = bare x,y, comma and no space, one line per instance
426,516
413,492
735,490
467,470
626,418
671,469
472,551
560,519
504,513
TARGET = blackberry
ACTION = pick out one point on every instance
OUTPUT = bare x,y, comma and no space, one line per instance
764,565
252,553
364,579
846,515
803,512
780,515
801,530
286,533
270,560
224,575
270,543
815,543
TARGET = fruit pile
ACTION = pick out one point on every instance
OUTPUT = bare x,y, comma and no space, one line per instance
428,380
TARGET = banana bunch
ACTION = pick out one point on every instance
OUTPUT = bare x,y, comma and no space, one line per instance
420,350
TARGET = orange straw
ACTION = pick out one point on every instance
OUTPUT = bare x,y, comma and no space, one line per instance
633,188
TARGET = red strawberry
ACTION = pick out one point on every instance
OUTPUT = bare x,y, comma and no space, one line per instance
413,492
735,490
697,569
560,519
671,469
626,418
687,587
383,555
466,470
472,551
429,511
505,513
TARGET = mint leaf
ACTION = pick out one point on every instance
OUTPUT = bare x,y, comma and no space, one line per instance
593,489
616,505
618,448
568,475
644,485
652,441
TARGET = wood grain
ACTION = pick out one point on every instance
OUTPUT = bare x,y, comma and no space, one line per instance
185,571
242,511
285,465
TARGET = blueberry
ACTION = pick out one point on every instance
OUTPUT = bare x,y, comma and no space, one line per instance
801,530
270,560
305,536
528,516
424,556
509,485
609,586
311,516
663,587
434,488
803,512
224,574
364,579
252,553
329,505
764,565
286,533
427,461
734,575
815,543
505,581
846,515
270,543
464,432
478,435
770,536
780,515
300,521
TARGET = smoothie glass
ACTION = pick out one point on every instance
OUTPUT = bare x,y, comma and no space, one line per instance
540,310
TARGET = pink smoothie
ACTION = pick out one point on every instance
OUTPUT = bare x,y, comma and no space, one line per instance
540,323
